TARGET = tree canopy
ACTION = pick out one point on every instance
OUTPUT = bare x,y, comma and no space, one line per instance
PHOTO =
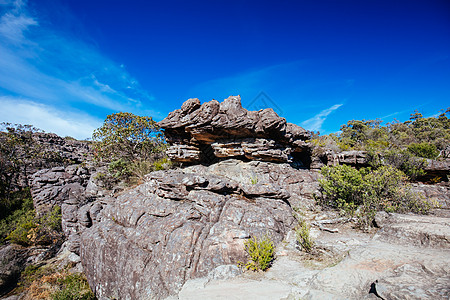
127,136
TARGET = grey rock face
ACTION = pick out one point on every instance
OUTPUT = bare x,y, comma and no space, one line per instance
204,133
424,231
74,188
182,224
438,193
50,187
12,263
330,158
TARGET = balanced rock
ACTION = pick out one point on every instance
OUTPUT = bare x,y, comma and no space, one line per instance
212,131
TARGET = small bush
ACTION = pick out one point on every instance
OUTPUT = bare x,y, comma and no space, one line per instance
364,192
27,230
342,187
425,150
162,164
18,212
408,163
261,252
119,169
303,237
22,233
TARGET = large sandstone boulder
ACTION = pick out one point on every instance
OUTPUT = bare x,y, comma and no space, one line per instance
212,131
183,224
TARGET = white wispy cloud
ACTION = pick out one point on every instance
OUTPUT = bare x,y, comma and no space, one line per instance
315,123
12,26
57,72
77,125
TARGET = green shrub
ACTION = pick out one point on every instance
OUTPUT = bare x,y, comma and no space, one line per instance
162,164
405,161
303,237
425,150
73,287
119,169
261,252
364,192
25,229
22,233
342,186
17,209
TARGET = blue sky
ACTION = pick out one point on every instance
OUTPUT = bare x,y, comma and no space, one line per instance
66,64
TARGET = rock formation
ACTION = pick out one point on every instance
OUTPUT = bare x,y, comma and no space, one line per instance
212,131
182,224
244,174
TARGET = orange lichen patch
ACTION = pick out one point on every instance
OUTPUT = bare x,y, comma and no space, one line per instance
376,265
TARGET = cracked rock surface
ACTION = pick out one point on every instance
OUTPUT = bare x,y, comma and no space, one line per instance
182,224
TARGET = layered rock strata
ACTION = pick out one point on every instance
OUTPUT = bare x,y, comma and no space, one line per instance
212,131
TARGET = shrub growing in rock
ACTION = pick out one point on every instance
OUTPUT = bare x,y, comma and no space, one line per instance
303,237
25,229
261,252
132,146
128,137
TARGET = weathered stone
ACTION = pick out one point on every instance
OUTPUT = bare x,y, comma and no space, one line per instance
225,130
183,153
437,194
353,158
179,224
438,170
12,263
414,229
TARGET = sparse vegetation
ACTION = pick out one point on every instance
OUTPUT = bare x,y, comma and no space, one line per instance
30,230
364,192
73,287
303,237
47,283
403,145
254,179
23,228
133,146
261,252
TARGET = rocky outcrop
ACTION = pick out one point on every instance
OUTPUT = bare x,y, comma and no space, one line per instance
58,186
412,264
213,131
437,170
76,190
184,223
330,158
438,194
69,150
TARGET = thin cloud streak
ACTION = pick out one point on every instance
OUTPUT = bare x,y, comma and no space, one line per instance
51,70
315,123
77,125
